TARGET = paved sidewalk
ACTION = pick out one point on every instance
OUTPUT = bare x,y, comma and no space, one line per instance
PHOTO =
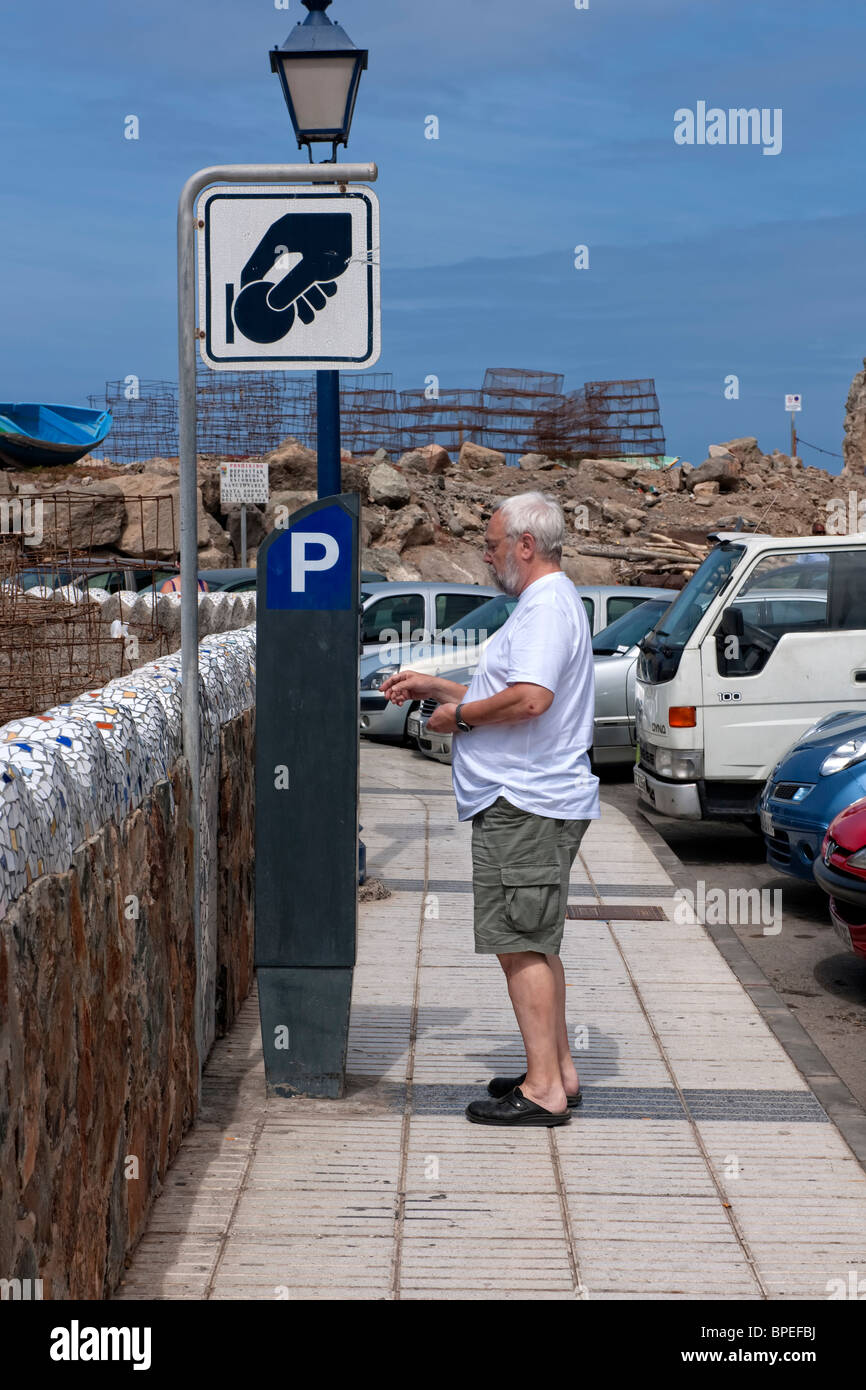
699,1166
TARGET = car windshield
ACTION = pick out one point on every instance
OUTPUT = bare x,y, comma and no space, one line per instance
627,631
483,621
679,622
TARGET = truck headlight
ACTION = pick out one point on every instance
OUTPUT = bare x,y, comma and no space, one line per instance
846,755
680,764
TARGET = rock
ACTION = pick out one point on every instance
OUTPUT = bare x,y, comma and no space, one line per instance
151,502
631,526
431,459
779,462
529,462
372,890
612,468
209,482
617,512
587,569
388,562
477,456
724,471
745,449
70,519
256,529
466,517
283,504
854,443
214,557
291,464
720,451
388,486
409,526
7,484
212,537
706,490
456,561
381,456
372,524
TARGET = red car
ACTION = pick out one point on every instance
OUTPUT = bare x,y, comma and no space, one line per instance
840,869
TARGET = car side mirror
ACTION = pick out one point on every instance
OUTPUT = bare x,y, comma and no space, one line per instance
732,623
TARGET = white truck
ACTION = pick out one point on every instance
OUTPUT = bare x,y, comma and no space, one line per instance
766,638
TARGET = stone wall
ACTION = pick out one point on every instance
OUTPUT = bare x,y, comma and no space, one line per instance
99,1070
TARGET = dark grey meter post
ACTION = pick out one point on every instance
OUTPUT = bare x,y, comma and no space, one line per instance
307,732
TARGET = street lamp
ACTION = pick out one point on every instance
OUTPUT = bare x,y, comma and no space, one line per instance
319,69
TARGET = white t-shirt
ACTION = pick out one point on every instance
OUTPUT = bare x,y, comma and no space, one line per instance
540,765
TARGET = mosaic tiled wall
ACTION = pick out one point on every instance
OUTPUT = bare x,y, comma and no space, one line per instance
98,1059
64,773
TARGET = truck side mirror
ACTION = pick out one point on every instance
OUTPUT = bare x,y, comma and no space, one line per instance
732,623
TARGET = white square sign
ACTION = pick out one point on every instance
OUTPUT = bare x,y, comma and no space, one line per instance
244,482
793,402
288,278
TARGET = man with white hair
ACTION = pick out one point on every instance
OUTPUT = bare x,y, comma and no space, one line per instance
521,774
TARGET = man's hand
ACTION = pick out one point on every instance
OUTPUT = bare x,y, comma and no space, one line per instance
407,685
443,720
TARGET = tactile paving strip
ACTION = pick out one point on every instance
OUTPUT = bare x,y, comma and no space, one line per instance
650,1103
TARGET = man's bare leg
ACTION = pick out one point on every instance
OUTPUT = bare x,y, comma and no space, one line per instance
533,992
567,1069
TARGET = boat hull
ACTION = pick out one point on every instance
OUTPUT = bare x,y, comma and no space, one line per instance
39,436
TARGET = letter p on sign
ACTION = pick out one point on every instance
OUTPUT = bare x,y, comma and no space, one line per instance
304,563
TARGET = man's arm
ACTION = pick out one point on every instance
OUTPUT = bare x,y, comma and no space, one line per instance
409,685
513,705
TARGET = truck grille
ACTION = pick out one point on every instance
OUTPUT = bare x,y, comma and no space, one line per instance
647,757
427,708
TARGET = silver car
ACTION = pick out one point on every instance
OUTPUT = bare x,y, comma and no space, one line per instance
615,653
399,618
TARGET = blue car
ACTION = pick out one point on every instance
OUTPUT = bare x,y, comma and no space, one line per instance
822,774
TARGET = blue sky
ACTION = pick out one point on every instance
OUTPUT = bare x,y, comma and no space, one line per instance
556,129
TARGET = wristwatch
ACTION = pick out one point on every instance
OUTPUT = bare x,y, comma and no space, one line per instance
460,721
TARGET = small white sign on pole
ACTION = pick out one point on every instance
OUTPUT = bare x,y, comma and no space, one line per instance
794,402
245,482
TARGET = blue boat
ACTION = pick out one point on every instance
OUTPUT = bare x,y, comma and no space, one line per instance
33,435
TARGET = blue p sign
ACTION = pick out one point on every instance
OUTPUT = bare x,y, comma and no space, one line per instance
310,564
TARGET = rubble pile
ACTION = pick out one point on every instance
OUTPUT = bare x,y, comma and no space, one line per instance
424,513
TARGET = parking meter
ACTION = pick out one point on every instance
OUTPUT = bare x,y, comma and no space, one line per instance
307,732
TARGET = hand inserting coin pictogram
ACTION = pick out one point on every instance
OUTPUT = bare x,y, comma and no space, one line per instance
264,312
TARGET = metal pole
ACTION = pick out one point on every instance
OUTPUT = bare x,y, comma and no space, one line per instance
793,435
243,535
328,433
187,331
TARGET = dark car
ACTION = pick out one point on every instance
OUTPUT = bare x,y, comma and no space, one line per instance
840,870
824,772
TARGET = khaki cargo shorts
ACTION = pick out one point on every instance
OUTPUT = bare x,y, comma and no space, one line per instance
521,865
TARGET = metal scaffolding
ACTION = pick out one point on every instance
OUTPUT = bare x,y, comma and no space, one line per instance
247,414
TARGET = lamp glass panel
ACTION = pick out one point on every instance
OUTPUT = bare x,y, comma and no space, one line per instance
320,90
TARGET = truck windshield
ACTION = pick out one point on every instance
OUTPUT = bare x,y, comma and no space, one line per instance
662,648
